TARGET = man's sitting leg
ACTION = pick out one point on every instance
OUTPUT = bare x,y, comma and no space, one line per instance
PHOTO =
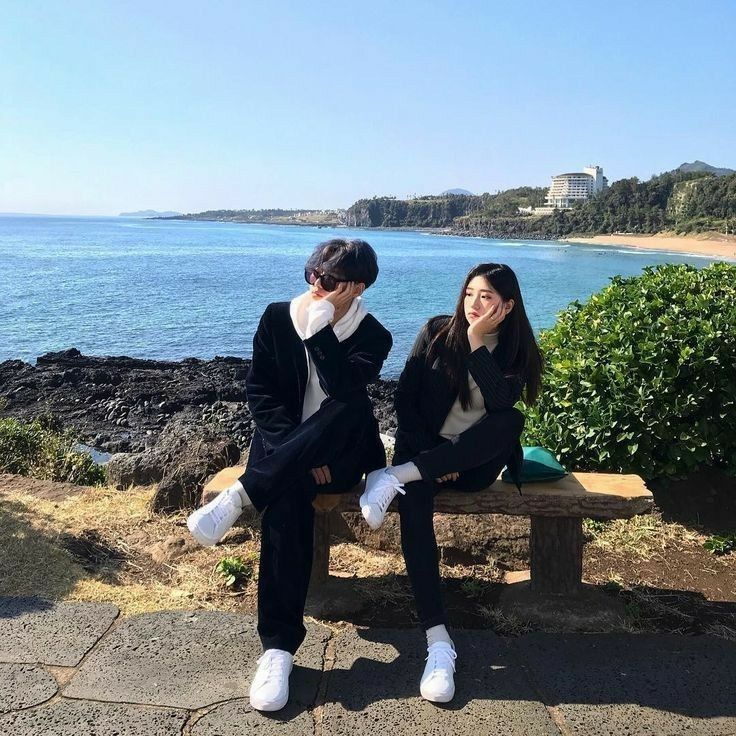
209,523
287,538
336,429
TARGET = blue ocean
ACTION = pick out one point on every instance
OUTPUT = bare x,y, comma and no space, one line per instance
173,289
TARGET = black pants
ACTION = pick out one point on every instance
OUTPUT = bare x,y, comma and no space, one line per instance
478,454
341,435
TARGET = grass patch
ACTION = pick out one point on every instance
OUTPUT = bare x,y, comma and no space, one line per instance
386,592
97,546
639,537
505,624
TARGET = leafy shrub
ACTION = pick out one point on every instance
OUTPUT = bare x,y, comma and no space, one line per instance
720,545
641,377
41,450
593,528
237,570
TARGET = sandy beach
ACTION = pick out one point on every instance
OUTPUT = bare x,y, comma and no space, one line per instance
715,245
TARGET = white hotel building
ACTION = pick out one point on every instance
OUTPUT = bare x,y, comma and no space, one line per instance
567,189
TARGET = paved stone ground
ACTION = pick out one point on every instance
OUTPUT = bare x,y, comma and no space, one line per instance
79,668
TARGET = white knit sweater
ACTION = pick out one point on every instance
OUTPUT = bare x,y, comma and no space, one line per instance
309,317
459,419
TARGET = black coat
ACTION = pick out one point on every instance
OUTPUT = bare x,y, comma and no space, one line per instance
277,380
424,395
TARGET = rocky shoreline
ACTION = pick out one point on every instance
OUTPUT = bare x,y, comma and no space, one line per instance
122,404
164,422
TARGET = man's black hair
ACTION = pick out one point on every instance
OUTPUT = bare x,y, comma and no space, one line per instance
354,260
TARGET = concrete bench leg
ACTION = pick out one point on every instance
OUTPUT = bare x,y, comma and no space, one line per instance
330,596
321,554
556,547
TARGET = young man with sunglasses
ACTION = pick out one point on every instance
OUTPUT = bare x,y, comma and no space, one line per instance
315,433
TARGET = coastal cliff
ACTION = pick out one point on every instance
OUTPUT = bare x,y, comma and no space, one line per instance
680,201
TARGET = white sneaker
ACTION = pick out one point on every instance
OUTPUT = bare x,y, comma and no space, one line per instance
381,488
270,687
438,680
209,524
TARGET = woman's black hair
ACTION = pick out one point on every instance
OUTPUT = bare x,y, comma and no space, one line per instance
517,351
354,260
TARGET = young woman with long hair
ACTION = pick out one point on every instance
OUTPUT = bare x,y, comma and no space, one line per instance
457,428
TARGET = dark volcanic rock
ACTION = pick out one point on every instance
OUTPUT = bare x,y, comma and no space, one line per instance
135,468
186,454
190,453
121,404
175,421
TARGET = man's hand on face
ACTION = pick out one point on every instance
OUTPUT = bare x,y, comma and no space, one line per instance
343,294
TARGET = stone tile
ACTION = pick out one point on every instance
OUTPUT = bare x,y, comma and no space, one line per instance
70,718
181,659
34,630
238,718
636,683
24,685
374,686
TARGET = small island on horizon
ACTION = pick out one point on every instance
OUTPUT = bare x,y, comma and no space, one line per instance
150,213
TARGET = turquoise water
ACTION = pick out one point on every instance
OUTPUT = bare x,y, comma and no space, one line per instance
170,290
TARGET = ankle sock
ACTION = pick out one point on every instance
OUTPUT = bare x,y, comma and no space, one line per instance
244,499
438,633
405,473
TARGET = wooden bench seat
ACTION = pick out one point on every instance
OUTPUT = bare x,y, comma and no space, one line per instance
556,510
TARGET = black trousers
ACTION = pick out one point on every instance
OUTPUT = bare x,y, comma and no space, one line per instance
478,454
341,435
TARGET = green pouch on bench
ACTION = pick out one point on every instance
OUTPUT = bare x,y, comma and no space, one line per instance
538,465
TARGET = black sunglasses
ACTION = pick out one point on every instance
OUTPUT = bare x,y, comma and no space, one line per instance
326,281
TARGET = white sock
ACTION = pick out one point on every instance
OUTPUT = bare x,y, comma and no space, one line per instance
405,473
438,633
244,499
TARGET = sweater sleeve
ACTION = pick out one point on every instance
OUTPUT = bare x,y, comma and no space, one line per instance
499,391
273,419
344,368
407,397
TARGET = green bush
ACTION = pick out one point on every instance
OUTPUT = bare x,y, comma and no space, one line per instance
41,450
721,545
641,377
237,571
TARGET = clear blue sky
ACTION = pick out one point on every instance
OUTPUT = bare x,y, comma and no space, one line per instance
112,106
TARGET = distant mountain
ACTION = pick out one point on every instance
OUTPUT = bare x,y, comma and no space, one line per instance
698,166
457,191
149,213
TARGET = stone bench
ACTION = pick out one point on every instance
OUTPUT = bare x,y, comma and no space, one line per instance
556,510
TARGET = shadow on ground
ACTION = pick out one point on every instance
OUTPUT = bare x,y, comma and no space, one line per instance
704,501
387,601
35,565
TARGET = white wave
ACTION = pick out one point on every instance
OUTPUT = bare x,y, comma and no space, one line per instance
546,244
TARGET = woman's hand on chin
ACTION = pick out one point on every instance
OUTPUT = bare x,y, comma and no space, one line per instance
487,322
